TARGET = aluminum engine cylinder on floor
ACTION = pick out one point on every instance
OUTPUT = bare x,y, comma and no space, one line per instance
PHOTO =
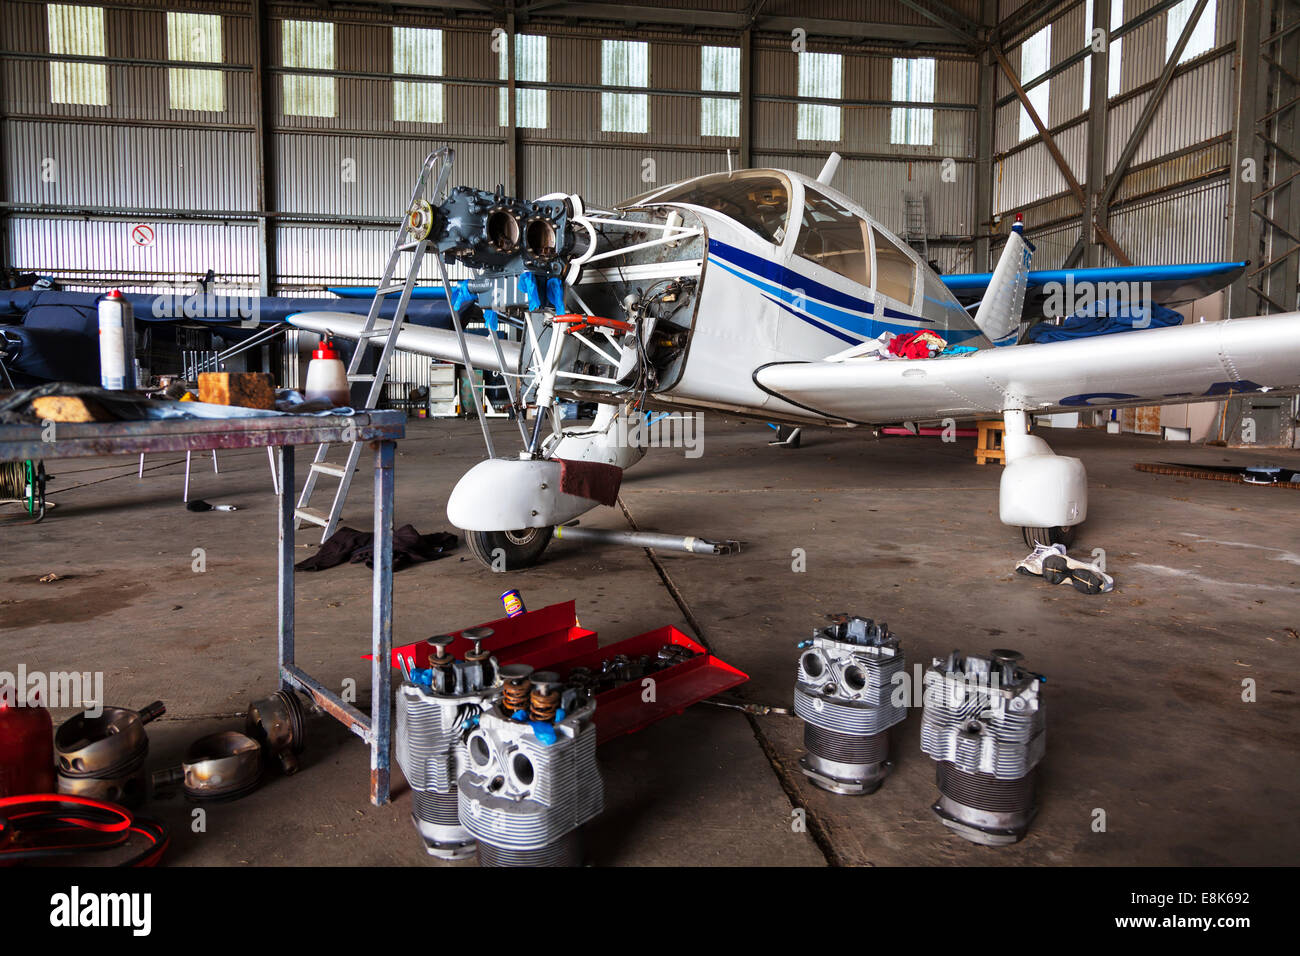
436,712
984,723
845,694
532,780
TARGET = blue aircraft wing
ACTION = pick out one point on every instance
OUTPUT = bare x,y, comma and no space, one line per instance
1173,283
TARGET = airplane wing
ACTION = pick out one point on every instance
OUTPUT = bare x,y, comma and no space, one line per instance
441,344
1162,366
1175,283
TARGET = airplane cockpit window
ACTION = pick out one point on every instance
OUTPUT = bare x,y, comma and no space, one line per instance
758,201
835,238
895,270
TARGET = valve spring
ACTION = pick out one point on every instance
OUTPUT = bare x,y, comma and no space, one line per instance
515,693
543,706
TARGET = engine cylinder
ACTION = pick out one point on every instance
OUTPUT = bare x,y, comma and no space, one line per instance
984,724
843,693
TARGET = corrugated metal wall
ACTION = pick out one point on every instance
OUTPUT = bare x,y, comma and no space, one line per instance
342,173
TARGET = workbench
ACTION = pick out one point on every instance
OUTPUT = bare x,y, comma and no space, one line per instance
381,429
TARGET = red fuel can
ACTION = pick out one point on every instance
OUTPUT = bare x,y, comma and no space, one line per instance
26,746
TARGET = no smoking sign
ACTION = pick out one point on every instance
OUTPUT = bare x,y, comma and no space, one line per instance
142,235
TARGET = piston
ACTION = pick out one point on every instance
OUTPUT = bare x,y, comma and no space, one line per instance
844,694
984,724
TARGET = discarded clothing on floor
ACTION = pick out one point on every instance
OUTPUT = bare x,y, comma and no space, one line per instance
350,546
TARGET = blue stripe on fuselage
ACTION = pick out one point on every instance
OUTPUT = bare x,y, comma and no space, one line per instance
783,293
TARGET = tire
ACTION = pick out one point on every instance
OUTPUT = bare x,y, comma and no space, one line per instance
521,549
1035,536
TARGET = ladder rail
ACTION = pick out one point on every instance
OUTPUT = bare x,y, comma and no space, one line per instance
443,159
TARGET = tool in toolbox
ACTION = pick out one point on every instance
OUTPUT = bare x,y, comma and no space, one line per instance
550,639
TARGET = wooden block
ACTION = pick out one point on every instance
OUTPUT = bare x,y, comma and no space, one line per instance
67,408
246,389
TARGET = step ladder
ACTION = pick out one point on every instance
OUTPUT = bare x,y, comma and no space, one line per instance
413,240
915,233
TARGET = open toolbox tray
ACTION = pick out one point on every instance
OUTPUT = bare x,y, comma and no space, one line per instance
551,639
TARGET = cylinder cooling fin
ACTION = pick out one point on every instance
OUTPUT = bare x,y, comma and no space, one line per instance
844,695
984,724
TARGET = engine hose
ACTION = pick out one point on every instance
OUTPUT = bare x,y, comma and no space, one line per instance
65,822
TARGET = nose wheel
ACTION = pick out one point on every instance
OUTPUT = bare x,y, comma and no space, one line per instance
509,550
1049,536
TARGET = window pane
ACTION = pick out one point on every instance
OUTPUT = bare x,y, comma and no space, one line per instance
77,31
1202,38
196,37
1035,58
834,238
913,79
820,75
719,72
624,63
895,270
307,44
1115,80
530,67
758,201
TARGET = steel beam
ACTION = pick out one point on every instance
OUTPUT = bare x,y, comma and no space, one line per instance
1148,112
982,218
264,146
1057,156
747,99
512,116
1086,248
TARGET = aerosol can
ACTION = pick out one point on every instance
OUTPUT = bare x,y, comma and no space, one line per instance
327,379
116,343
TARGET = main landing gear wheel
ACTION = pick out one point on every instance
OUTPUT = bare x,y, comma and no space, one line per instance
1036,536
509,550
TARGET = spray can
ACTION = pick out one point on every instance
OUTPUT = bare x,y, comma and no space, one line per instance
513,603
116,342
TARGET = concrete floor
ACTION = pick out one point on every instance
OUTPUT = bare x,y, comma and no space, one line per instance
1144,685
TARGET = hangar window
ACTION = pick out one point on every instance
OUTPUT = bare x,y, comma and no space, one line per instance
624,63
1202,38
834,238
913,81
895,270
530,67
417,52
1087,60
719,73
1115,80
759,201
77,31
195,37
1035,58
308,45
821,75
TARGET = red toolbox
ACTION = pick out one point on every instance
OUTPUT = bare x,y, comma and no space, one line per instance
551,639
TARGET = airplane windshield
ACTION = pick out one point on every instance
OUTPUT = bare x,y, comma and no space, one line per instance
758,201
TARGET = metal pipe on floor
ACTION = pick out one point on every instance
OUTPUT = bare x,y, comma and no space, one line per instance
689,544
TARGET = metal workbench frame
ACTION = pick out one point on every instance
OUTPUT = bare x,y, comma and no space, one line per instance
380,429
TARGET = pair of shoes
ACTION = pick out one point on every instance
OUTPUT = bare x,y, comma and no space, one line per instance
1033,562
1087,578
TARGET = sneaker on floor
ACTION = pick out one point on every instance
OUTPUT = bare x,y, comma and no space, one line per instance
1033,562
1085,576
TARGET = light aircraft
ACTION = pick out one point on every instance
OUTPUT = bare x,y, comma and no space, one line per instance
761,293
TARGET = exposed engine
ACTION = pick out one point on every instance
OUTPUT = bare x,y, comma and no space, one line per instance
984,723
437,709
844,695
531,778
